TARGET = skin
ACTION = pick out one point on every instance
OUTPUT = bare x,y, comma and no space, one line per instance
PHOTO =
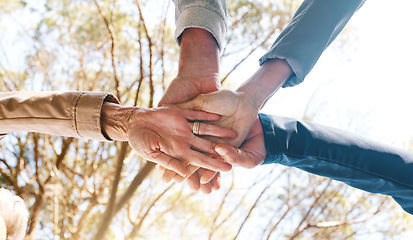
164,142
198,70
240,109
252,153
198,73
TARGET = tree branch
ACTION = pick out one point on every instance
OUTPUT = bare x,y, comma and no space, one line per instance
112,34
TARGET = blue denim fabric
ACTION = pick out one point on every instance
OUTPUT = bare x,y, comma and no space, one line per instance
357,161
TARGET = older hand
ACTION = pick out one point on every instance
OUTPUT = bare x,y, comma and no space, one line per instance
251,154
198,70
237,113
198,73
241,107
164,135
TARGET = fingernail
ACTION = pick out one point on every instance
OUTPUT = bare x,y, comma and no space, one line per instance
221,151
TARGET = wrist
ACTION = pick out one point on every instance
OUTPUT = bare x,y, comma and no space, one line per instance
199,53
265,82
115,120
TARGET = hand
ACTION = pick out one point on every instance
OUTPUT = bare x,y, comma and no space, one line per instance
237,112
251,154
198,74
193,181
164,135
186,87
253,94
198,67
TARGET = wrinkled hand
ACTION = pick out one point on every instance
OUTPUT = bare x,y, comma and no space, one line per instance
237,113
251,154
164,135
198,71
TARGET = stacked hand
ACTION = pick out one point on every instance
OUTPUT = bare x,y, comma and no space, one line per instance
251,154
237,113
164,135
197,87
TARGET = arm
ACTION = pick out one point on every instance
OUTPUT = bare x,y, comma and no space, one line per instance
98,116
357,161
313,28
71,114
200,30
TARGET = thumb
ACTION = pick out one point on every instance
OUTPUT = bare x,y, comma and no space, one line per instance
194,104
236,156
230,154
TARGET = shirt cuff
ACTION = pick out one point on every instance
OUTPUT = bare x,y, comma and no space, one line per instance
201,17
88,114
270,140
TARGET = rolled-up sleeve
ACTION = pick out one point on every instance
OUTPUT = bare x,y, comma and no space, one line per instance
70,114
210,15
312,29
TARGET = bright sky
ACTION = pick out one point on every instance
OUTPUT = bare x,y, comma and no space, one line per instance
376,79
366,88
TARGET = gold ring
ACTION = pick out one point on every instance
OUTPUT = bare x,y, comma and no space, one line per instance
195,128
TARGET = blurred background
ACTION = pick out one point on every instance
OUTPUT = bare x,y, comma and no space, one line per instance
362,84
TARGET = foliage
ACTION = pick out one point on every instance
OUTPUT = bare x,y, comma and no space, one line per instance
78,189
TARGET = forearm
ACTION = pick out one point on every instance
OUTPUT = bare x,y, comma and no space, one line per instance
265,82
71,114
198,70
314,26
349,158
198,55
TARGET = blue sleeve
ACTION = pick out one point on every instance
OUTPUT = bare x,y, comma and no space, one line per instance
357,161
313,27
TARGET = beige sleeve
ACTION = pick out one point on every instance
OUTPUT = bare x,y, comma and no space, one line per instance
70,114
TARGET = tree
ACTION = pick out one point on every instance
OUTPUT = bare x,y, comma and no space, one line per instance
78,189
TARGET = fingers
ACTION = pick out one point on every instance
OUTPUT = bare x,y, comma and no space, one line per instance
201,116
216,182
207,176
168,175
231,155
213,185
237,156
215,131
169,162
201,160
193,182
195,104
207,186
191,168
